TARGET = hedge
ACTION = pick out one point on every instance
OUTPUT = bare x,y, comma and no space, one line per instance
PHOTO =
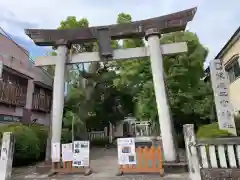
212,131
31,141
27,144
42,134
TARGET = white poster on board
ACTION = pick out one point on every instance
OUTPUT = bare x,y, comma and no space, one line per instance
55,152
220,86
126,151
67,152
81,153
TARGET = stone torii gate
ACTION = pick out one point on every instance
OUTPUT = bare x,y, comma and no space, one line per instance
151,29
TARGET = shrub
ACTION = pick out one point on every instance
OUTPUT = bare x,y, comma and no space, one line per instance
66,136
211,131
237,123
100,142
26,143
42,134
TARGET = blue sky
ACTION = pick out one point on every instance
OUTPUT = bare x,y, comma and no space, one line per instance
214,23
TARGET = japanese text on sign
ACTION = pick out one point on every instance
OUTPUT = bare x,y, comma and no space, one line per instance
220,84
126,151
81,153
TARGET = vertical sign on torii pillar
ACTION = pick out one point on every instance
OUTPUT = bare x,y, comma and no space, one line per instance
151,29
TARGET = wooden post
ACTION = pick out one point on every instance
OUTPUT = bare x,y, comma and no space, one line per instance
73,128
191,151
106,131
110,132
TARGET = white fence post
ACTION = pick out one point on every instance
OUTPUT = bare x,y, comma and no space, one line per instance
6,159
191,150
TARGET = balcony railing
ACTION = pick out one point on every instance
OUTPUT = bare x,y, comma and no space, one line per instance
41,102
12,94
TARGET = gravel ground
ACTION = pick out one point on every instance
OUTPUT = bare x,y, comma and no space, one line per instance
104,165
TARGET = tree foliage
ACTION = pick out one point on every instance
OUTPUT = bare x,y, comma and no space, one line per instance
92,96
190,99
100,93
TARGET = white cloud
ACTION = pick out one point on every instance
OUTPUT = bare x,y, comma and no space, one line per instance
214,22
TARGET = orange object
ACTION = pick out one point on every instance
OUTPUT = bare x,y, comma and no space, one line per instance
144,155
66,167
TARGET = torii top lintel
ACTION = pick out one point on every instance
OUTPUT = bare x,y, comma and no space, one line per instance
165,24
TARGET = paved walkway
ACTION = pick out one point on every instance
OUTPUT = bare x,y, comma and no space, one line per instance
104,165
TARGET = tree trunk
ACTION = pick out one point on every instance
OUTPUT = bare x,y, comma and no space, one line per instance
90,83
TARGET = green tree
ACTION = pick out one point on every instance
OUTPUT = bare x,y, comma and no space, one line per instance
71,23
190,98
111,105
92,95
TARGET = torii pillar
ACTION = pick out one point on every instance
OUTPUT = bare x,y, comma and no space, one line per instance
58,90
153,38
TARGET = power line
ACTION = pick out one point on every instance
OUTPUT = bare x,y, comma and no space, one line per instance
31,60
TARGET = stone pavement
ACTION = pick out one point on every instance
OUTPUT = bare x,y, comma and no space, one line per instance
104,165
97,176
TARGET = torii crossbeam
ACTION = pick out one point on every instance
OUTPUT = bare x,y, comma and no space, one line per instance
165,24
151,29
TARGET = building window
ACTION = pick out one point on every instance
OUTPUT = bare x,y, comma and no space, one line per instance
7,118
233,69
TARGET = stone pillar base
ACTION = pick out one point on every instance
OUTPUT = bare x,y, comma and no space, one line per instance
27,114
